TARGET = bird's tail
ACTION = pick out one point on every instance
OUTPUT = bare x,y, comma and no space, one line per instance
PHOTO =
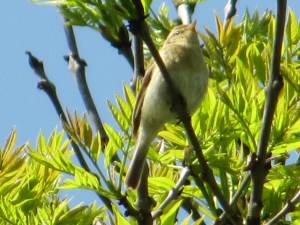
137,163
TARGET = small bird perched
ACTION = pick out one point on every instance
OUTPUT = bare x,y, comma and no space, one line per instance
182,56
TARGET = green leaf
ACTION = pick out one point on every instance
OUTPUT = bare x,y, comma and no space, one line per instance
171,155
129,95
293,25
190,191
85,180
95,147
286,146
169,216
172,137
10,142
160,184
146,5
115,143
122,121
120,220
125,108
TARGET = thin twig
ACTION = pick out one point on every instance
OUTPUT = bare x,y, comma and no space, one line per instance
77,67
259,170
173,193
46,85
288,207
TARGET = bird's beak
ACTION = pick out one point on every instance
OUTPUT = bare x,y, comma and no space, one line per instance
192,26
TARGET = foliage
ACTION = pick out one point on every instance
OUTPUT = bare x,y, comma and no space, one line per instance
227,123
29,189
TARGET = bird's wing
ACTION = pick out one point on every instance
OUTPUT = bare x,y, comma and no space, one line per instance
136,119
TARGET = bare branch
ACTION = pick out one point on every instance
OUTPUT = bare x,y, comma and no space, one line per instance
259,170
46,85
77,67
173,193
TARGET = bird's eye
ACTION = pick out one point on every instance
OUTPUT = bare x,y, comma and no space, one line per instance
177,32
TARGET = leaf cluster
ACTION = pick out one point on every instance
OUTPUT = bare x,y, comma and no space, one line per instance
29,186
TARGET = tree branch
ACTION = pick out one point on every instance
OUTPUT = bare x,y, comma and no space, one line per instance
288,207
77,67
49,88
173,193
259,170
139,69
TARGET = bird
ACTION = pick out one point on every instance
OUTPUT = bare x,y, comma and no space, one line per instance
183,58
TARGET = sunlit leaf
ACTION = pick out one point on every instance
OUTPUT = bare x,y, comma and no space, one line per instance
169,216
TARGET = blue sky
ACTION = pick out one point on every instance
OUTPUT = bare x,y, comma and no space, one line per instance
26,26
